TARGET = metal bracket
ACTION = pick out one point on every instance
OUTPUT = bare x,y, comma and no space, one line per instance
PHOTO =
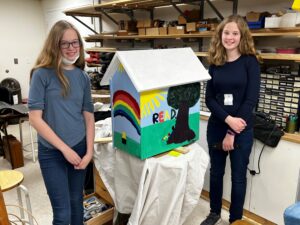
85,24
215,9
178,9
108,16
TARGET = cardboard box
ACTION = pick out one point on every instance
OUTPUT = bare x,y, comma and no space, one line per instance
148,23
180,30
142,31
176,30
181,20
191,27
163,31
140,24
152,31
122,33
129,25
172,30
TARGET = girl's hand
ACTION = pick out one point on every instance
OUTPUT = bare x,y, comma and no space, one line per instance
236,123
72,157
228,142
84,162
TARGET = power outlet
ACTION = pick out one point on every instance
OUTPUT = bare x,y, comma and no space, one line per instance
16,61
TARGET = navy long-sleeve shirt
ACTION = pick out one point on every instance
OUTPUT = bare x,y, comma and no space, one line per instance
240,80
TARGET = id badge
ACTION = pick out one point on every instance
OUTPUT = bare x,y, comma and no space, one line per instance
228,99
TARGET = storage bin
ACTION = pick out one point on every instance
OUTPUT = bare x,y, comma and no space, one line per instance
105,217
257,24
102,218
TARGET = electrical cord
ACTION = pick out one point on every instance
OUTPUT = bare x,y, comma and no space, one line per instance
253,172
15,222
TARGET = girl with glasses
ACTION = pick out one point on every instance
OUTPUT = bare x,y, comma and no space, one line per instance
61,110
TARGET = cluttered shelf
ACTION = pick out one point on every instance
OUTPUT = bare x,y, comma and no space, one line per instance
273,56
255,33
96,10
287,136
98,37
100,49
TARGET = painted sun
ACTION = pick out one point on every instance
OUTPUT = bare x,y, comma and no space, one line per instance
151,100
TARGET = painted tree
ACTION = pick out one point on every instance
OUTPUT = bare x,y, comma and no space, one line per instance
182,98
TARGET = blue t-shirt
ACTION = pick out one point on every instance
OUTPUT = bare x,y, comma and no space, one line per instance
63,114
233,89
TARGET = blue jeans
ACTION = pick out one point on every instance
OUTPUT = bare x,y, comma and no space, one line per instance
239,159
64,184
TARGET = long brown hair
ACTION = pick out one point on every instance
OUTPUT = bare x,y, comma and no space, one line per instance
50,56
217,53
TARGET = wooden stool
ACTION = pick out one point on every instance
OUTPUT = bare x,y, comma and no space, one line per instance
3,213
10,179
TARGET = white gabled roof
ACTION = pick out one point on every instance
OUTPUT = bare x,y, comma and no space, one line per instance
158,68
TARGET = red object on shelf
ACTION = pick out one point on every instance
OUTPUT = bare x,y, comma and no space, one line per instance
92,60
286,50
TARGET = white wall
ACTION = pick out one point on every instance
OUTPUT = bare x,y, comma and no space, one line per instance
22,34
53,11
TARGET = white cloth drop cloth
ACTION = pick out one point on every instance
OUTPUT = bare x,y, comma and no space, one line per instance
159,190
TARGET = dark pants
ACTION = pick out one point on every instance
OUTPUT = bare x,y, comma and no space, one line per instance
239,159
64,184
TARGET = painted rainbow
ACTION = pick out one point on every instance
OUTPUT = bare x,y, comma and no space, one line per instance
125,105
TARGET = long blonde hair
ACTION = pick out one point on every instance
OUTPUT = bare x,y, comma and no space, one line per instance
50,56
217,53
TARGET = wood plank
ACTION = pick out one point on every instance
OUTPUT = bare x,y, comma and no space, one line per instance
100,49
276,56
103,140
272,56
100,188
292,31
291,137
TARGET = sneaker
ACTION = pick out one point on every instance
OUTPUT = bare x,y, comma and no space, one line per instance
212,219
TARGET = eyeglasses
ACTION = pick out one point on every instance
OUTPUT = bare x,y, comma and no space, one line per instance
66,44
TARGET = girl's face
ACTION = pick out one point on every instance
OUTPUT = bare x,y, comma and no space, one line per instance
70,45
231,36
